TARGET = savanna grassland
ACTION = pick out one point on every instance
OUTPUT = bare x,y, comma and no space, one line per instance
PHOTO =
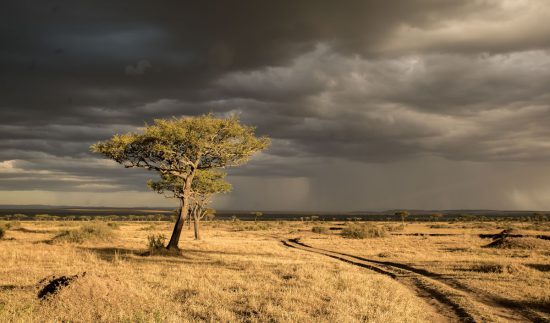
274,272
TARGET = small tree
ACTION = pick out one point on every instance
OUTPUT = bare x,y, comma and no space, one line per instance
210,214
256,215
42,217
19,216
206,185
180,147
403,215
436,216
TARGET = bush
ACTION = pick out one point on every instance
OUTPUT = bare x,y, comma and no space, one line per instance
356,231
320,230
96,231
239,226
156,241
2,232
13,225
440,226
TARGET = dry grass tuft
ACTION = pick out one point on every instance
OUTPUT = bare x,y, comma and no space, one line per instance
362,231
12,225
88,232
240,226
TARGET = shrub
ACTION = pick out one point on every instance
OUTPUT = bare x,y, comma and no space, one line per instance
156,241
440,226
356,231
2,232
96,231
320,230
239,226
12,225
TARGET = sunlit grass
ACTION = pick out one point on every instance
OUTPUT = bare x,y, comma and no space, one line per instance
230,276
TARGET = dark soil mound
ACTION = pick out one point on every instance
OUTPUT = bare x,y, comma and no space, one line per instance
519,243
51,285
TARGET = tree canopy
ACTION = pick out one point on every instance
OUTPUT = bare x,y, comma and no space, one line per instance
178,146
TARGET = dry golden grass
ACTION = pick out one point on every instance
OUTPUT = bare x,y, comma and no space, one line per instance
516,276
230,276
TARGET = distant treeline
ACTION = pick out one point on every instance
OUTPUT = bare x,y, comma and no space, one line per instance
48,217
436,217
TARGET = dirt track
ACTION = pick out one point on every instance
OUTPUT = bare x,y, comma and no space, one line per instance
453,301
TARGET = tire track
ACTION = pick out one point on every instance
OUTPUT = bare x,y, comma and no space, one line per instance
449,310
499,308
450,298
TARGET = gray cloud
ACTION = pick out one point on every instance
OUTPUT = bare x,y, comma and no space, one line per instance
139,69
470,107
357,83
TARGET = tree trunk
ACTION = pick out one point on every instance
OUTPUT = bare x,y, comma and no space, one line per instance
196,227
176,233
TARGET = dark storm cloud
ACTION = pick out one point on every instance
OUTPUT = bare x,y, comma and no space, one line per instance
76,54
365,81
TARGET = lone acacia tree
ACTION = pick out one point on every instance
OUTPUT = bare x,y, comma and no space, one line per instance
256,215
183,146
403,215
205,184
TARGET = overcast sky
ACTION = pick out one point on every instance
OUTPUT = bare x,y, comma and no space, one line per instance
371,104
